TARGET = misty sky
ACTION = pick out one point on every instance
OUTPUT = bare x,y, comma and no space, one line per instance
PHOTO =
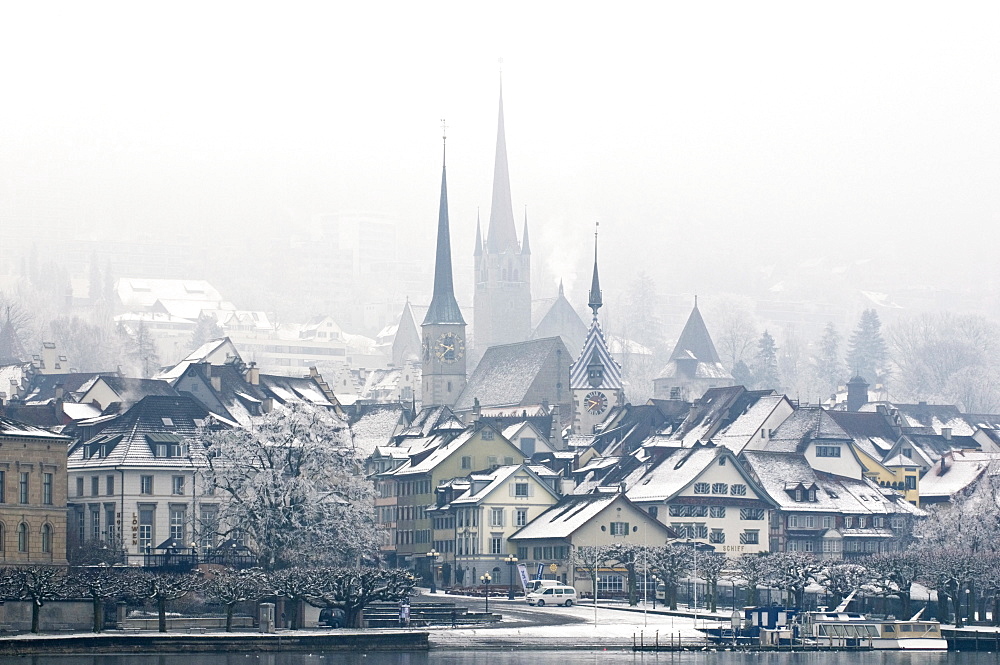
716,142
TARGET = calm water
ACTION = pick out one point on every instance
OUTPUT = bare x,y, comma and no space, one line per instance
441,657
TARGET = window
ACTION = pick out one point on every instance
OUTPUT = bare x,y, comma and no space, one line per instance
109,485
521,517
717,536
722,461
522,553
466,462
720,488
653,510
861,522
701,488
827,451
488,434
146,523
911,482
496,544
95,523
178,517
798,494
520,489
23,488
79,486
827,522
46,539
145,484
177,485
47,489
491,461
848,522
607,584
831,545
750,537
878,521
95,484
528,445
3,487
751,513
738,489
496,516
717,511
109,519
619,528
812,494
22,537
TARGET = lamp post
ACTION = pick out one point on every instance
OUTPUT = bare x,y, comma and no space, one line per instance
486,579
431,558
511,560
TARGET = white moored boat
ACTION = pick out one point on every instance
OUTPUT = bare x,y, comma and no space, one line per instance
839,628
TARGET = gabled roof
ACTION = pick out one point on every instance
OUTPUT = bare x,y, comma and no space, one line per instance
487,483
43,386
376,426
559,318
130,439
130,390
216,351
933,416
11,427
427,463
777,472
738,433
433,419
871,430
508,372
953,473
805,425
573,512
714,410
290,389
663,476
934,446
595,350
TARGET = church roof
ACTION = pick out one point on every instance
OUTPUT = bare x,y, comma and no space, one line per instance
562,320
444,307
695,342
595,348
501,235
507,373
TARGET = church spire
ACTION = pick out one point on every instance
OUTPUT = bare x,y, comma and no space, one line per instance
501,235
444,307
525,249
595,284
479,237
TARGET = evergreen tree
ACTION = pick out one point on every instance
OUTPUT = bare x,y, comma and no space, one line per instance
765,367
742,374
867,353
829,368
205,329
141,349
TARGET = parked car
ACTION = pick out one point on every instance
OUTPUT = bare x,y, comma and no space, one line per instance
553,595
332,617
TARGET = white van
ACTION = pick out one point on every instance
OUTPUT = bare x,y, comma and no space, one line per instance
553,595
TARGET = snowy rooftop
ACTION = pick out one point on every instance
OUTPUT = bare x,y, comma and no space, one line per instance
9,427
954,473
562,519
741,430
507,373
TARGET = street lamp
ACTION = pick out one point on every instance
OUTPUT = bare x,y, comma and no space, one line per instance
511,560
431,557
486,579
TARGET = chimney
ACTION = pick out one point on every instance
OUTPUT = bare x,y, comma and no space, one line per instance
268,405
59,391
253,374
557,429
857,393
477,410
946,433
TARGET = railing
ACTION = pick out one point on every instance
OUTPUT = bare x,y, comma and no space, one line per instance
183,562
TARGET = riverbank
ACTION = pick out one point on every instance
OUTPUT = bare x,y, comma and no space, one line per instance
153,642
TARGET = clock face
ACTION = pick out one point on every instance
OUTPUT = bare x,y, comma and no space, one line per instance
449,348
595,402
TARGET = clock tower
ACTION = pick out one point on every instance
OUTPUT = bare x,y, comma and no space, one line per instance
595,378
443,330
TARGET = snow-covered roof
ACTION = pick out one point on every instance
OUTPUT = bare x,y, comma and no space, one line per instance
507,373
953,473
487,483
740,431
136,292
564,518
10,427
662,477
377,426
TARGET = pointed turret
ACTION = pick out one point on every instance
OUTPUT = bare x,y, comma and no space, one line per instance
694,365
595,285
501,235
444,307
479,238
562,293
525,249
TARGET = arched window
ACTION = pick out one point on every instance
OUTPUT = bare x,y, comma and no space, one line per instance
47,539
22,537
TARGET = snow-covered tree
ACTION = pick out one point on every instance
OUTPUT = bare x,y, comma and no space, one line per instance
163,588
735,331
36,585
830,372
670,563
792,572
710,567
591,559
765,364
206,328
753,569
353,589
893,574
140,348
232,587
867,353
295,486
629,557
100,583
841,578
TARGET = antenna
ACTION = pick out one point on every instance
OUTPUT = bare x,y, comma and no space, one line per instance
444,139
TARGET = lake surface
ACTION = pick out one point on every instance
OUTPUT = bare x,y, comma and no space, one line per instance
534,657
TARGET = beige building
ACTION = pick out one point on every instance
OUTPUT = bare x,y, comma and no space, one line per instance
32,495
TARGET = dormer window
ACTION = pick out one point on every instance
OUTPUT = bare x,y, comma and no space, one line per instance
798,495
827,451
167,422
812,494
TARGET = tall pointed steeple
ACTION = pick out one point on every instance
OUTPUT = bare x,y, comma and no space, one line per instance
444,307
595,284
479,238
525,248
501,235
